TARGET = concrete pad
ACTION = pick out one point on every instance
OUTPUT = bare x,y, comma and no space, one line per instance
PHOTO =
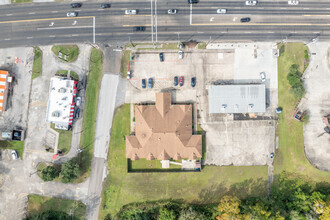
5,2
105,110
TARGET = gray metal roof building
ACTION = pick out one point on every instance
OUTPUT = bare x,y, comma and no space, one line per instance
237,99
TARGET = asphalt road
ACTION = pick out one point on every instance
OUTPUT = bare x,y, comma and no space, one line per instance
46,23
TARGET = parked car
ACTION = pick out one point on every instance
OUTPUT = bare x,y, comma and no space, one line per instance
161,57
104,6
293,2
192,1
221,11
263,76
171,11
251,2
14,155
72,14
139,28
144,83
271,155
245,20
150,83
180,54
176,80
181,80
193,81
78,101
77,114
76,5
130,12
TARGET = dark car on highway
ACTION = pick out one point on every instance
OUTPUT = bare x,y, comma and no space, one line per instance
245,20
150,83
192,1
76,5
144,83
176,81
181,80
105,6
139,28
161,57
193,81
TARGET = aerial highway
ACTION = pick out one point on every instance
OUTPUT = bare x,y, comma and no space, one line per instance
47,23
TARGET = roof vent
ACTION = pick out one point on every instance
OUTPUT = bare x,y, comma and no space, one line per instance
224,106
56,114
62,90
251,105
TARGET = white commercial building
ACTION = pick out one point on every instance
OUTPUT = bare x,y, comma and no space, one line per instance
61,102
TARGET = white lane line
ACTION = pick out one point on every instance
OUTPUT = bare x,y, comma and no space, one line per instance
283,8
247,32
306,8
75,35
98,34
200,32
31,13
100,9
9,14
316,32
190,14
129,33
223,32
51,36
270,32
77,10
7,39
57,28
54,11
147,8
29,37
123,9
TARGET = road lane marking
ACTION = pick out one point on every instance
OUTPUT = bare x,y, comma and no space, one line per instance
306,8
57,28
7,39
316,15
131,25
9,14
75,35
261,24
54,11
29,37
31,13
51,36
136,15
44,19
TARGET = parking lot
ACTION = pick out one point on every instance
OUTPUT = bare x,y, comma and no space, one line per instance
317,105
18,62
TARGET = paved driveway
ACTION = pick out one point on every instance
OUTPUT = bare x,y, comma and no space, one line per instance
317,78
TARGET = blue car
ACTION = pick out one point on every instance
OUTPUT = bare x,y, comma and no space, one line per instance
176,81
150,83
144,83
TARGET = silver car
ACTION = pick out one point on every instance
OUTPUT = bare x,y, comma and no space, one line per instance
263,76
171,11
72,14
130,12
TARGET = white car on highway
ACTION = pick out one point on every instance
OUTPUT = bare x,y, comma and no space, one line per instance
171,11
130,12
293,2
251,2
72,14
221,11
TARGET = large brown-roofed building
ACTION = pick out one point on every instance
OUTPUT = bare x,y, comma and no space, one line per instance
163,131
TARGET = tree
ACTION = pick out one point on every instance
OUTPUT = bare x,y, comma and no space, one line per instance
166,214
191,214
70,170
49,173
229,208
298,90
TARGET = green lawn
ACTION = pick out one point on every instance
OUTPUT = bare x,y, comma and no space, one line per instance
64,73
201,46
124,62
20,1
72,51
90,110
196,187
142,165
291,156
39,204
14,145
37,63
64,139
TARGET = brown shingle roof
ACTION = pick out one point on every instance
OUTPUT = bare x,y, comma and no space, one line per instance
163,131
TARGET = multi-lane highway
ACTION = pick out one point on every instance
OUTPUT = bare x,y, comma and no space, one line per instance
46,23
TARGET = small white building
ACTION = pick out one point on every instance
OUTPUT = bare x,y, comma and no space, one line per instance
62,93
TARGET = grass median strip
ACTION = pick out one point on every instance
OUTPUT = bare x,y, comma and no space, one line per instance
196,187
291,155
37,63
90,111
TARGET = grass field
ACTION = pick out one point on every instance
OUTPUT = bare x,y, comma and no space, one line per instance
37,63
291,156
197,187
72,51
39,204
73,74
64,139
90,111
14,145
